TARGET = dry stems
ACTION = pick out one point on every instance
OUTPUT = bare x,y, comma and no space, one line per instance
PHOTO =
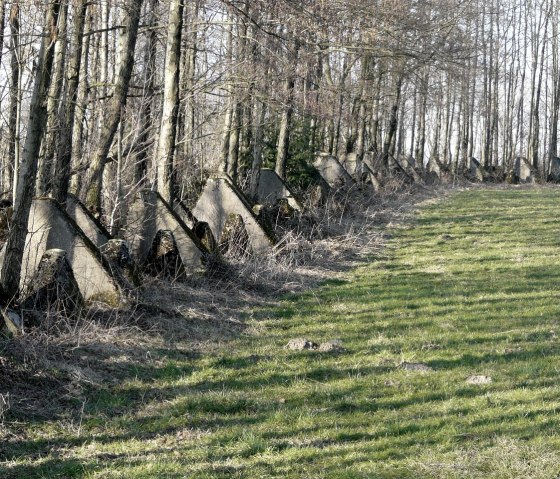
200,314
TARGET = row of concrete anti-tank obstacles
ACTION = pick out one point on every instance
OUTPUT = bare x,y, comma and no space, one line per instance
69,253
70,257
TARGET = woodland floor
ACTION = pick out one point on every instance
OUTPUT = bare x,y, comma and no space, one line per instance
449,319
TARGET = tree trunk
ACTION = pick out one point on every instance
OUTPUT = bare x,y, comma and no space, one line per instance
228,116
80,111
393,122
283,144
168,131
64,150
143,165
233,153
14,249
112,112
15,100
53,128
260,116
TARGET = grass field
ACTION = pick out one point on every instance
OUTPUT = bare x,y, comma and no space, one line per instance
470,289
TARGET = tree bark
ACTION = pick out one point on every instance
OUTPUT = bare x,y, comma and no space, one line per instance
168,131
80,111
54,125
65,143
11,267
283,144
15,99
112,112
143,163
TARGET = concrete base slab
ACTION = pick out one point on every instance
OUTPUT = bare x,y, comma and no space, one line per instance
332,171
220,199
272,188
149,214
50,227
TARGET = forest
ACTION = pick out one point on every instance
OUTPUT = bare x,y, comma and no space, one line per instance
105,99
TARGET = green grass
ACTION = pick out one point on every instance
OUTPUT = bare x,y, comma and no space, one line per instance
471,289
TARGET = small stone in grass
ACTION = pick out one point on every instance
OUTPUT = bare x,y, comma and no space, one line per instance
479,380
416,367
300,344
446,237
332,346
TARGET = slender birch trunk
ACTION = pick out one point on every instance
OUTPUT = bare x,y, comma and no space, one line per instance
168,130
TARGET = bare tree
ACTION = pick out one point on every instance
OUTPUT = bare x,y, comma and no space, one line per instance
113,111
11,267
168,131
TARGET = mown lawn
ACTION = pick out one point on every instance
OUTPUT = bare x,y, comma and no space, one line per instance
472,288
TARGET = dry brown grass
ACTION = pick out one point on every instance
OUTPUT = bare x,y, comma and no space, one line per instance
46,370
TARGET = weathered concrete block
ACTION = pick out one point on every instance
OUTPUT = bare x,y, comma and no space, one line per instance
319,192
86,221
361,172
234,239
220,199
200,229
409,162
11,322
272,188
350,163
149,214
116,251
121,263
204,233
476,172
164,258
332,171
50,227
435,166
52,288
554,170
185,214
523,171
371,159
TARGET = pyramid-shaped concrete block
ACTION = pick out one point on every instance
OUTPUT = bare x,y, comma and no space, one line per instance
523,170
350,163
332,171
554,169
85,220
476,172
116,251
359,171
150,213
434,166
273,188
220,199
50,227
